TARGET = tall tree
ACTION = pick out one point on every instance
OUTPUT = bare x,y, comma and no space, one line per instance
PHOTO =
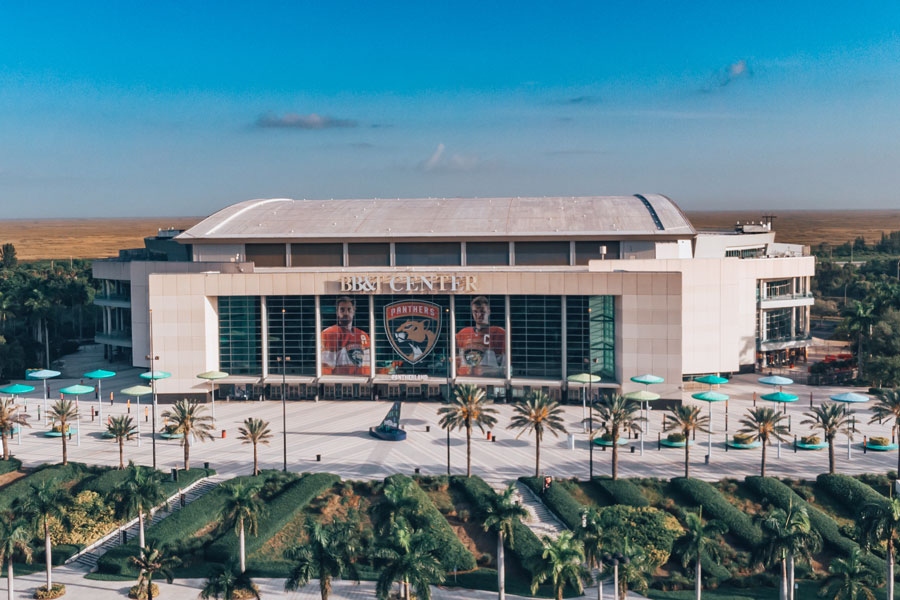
562,564
618,414
62,413
592,537
398,508
241,510
15,543
329,551
468,408
887,408
537,414
227,583
255,431
787,534
698,542
831,419
848,579
137,494
859,320
763,424
409,558
10,419
8,258
46,500
121,428
501,515
154,560
687,419
189,419
879,522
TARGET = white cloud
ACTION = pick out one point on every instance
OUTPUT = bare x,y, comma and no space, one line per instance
297,121
453,163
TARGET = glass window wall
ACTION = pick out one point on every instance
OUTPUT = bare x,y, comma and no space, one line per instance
591,336
346,335
410,335
265,255
407,254
542,253
536,330
480,336
369,255
317,255
487,253
587,251
240,344
299,346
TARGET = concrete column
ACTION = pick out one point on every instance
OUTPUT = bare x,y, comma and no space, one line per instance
508,339
264,334
371,336
565,337
451,339
319,339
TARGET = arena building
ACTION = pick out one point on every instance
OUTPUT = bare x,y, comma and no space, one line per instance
401,298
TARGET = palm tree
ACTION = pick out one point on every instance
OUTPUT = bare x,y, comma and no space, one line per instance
849,579
398,507
591,536
255,431
467,409
328,552
832,419
10,418
763,424
501,515
15,541
46,500
241,510
138,493
887,408
226,583
188,419
409,558
618,414
688,420
121,428
787,535
154,560
634,571
879,522
63,412
697,542
860,319
562,564
538,414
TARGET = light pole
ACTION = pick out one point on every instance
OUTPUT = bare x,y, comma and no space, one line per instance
152,357
590,363
283,384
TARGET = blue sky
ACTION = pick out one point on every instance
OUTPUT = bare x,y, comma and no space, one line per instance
180,108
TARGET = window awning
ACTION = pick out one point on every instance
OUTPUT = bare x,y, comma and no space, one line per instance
291,379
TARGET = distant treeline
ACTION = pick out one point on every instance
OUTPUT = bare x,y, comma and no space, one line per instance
888,244
45,308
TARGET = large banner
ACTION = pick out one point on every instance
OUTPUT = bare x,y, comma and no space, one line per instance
345,347
480,346
412,327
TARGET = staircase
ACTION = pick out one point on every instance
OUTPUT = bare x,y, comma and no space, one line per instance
540,520
87,558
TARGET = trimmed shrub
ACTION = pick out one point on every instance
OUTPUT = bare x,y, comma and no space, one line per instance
717,507
879,441
849,492
649,528
106,482
770,490
58,590
811,440
675,438
8,466
55,473
557,499
281,510
452,554
622,491
742,438
525,545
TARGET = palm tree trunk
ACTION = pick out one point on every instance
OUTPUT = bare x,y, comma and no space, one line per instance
783,591
243,548
324,586
6,444
890,568
698,585
559,591
48,550
537,457
791,576
9,579
831,456
141,526
762,471
255,460
501,567
687,456
121,453
468,450
64,429
149,586
615,456
187,451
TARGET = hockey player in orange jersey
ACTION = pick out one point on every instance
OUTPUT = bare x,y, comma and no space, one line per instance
481,349
345,348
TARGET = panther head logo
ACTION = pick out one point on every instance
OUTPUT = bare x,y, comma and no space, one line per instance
415,336
413,327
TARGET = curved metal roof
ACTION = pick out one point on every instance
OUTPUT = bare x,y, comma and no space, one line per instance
279,218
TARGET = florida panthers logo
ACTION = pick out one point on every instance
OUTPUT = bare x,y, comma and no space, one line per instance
412,327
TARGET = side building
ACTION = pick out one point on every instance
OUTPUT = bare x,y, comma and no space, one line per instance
400,299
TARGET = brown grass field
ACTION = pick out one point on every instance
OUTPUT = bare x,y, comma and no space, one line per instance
98,238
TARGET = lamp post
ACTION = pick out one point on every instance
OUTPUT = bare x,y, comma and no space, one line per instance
590,363
283,384
152,357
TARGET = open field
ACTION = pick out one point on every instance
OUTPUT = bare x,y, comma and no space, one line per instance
97,238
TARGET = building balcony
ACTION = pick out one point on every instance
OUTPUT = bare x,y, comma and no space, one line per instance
797,341
114,300
114,338
786,301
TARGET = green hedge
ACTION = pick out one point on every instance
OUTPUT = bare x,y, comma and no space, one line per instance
8,466
622,491
558,500
106,482
281,510
525,545
180,525
770,490
452,554
851,493
715,506
54,473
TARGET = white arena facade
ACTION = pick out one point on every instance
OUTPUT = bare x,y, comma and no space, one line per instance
404,298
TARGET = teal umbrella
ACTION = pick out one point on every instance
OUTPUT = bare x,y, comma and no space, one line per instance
211,376
100,375
647,379
776,380
642,396
137,391
710,396
44,375
155,375
712,379
782,397
846,397
77,390
16,389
